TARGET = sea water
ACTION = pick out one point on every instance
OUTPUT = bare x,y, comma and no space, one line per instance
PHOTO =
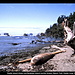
6,46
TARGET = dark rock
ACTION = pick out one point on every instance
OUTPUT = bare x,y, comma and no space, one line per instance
6,34
15,43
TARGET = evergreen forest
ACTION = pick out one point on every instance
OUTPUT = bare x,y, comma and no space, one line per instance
56,30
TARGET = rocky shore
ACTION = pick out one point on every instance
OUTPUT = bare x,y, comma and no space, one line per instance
60,62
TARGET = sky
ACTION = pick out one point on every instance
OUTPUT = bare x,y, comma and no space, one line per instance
19,18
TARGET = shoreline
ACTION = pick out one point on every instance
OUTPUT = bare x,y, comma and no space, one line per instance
21,54
60,62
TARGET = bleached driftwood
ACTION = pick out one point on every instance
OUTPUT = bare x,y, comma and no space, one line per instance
41,58
61,49
69,35
74,28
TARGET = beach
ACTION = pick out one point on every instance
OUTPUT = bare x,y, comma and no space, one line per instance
60,62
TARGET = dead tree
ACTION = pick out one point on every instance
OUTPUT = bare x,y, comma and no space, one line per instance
69,35
74,28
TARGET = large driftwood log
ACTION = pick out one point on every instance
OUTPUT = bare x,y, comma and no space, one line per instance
42,58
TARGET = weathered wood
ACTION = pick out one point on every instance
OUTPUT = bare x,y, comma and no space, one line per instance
42,58
74,28
69,34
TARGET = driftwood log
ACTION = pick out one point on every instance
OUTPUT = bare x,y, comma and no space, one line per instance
69,34
41,58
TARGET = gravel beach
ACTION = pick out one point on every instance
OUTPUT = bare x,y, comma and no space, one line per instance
60,62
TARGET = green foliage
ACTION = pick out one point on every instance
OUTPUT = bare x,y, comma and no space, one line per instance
71,19
57,30
61,18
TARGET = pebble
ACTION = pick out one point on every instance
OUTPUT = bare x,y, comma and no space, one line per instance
46,48
3,67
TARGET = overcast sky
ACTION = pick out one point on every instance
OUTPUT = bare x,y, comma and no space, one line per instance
17,19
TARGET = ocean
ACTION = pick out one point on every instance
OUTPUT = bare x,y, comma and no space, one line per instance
6,46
